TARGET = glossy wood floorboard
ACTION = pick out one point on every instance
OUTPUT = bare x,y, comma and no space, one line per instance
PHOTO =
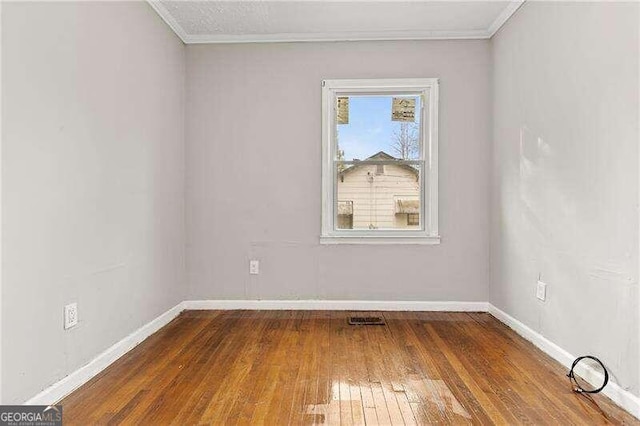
311,367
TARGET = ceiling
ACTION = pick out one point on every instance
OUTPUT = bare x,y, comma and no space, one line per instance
244,21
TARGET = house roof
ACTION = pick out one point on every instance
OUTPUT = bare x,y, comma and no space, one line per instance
383,156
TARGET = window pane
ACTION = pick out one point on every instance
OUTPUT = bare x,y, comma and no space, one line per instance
378,127
367,198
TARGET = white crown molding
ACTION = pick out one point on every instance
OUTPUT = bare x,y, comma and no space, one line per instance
500,20
168,19
620,396
338,36
73,381
504,16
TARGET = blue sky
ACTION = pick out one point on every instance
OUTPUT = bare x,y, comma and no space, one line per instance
370,128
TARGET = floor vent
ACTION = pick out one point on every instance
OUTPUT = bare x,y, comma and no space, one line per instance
366,320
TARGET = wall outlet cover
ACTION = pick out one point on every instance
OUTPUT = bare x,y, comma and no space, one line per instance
254,267
70,315
541,291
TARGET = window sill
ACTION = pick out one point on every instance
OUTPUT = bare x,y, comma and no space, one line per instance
330,240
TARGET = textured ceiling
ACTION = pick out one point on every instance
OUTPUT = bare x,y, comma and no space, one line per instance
254,21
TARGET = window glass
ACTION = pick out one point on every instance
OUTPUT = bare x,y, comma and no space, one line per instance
370,127
377,201
375,135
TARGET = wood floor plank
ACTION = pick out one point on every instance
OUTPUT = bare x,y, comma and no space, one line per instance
363,407
256,381
296,367
383,373
268,398
421,392
483,364
342,372
541,371
316,401
306,365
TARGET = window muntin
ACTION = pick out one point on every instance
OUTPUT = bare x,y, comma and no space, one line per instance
380,153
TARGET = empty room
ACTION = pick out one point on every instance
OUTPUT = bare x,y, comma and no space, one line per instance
319,212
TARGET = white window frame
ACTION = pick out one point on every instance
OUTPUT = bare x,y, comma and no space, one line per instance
428,233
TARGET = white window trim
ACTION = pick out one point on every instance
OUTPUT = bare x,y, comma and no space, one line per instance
429,141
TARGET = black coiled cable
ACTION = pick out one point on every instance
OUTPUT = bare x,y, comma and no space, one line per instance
577,387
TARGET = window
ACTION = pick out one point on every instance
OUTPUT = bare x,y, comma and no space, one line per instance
380,161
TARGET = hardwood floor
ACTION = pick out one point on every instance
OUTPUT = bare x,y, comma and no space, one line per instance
306,367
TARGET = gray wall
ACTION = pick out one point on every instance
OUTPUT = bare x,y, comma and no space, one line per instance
565,180
253,173
92,182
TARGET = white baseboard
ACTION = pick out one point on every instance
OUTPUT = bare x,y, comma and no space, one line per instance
620,396
64,387
336,305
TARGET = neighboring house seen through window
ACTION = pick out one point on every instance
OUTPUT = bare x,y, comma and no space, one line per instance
380,180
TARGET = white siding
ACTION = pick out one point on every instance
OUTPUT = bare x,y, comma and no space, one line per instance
374,196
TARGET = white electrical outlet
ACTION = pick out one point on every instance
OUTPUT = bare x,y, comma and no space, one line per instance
70,315
541,290
254,267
